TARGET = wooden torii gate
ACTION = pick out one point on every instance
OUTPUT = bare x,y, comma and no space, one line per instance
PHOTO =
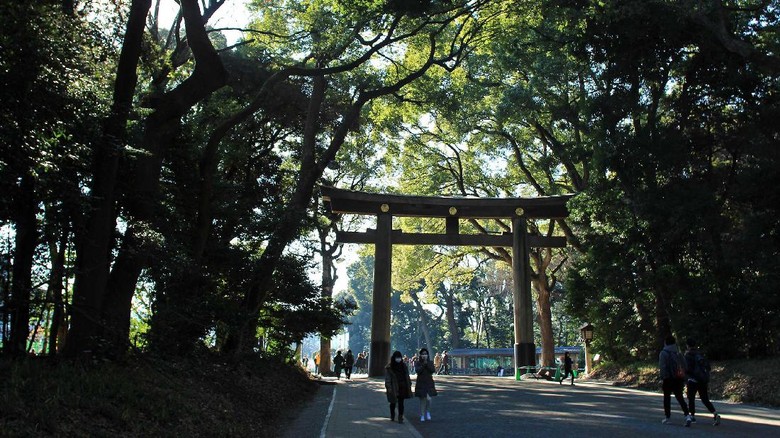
453,209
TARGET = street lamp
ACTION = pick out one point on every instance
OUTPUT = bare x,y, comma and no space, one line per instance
586,331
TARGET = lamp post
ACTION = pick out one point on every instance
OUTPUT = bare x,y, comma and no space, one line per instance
586,331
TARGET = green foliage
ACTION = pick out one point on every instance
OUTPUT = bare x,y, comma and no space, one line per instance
667,205
659,115
360,290
297,308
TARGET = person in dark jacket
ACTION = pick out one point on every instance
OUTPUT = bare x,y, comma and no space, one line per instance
667,363
425,388
694,385
567,363
349,362
398,385
338,364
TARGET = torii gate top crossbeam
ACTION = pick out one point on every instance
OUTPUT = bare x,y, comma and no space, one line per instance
353,202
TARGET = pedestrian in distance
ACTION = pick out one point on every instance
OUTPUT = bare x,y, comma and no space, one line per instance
316,362
672,367
567,364
445,363
361,363
437,362
338,364
698,373
398,385
425,387
349,362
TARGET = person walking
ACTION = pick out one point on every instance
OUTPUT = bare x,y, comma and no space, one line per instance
697,369
362,363
425,387
567,363
316,362
349,362
437,362
445,363
398,385
672,367
338,363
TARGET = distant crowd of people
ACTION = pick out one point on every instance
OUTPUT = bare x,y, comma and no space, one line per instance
348,363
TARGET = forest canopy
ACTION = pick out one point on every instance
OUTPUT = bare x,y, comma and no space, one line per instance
160,183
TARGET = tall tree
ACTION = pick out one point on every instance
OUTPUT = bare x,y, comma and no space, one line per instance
97,295
339,59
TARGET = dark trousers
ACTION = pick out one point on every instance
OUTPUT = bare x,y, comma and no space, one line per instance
348,371
400,408
566,374
673,386
701,388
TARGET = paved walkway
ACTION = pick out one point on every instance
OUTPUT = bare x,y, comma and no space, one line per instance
492,406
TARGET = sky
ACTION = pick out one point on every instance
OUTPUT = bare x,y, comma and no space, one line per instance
232,14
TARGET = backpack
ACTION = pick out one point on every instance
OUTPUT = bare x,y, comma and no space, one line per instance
676,365
701,368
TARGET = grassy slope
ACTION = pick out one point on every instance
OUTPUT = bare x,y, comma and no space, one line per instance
146,397
748,381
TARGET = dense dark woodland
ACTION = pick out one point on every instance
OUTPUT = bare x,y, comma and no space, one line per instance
159,184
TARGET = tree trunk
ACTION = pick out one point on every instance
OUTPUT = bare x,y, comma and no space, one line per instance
57,248
325,361
160,129
545,323
452,323
542,283
328,281
94,248
424,323
21,277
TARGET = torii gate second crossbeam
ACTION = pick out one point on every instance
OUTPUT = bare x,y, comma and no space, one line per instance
385,206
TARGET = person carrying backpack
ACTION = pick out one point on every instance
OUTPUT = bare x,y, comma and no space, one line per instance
672,366
698,372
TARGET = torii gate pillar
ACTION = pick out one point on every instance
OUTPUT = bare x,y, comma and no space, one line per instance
525,351
380,314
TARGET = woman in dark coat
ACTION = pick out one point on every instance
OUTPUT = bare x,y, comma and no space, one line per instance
398,385
425,387
349,362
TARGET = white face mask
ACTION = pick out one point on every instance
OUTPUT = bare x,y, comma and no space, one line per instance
398,360
424,356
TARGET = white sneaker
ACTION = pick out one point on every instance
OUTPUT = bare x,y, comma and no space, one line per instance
688,421
422,418
665,420
428,416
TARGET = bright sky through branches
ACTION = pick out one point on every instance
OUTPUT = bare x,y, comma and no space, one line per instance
233,14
